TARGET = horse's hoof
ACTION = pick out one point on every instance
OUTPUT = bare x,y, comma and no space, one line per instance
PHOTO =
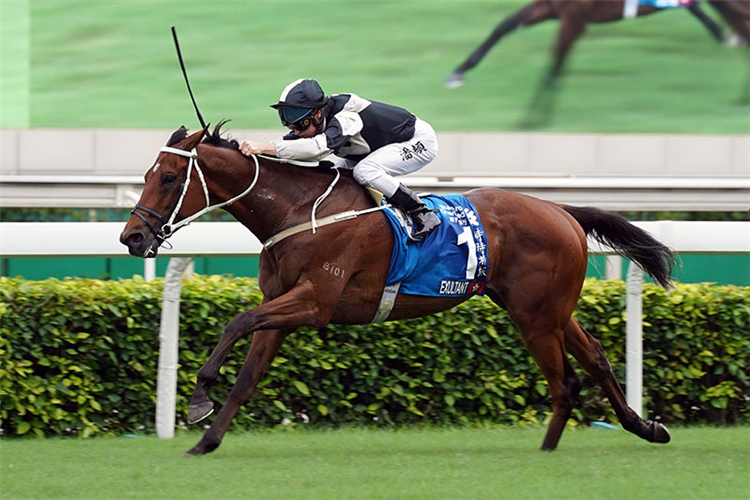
204,446
454,80
198,412
659,432
195,451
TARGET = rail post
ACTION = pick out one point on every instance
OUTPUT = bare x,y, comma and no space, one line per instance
634,339
169,334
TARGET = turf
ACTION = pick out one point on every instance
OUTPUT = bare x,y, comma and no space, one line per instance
112,64
700,463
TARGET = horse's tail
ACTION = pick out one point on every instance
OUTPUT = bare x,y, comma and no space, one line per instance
627,240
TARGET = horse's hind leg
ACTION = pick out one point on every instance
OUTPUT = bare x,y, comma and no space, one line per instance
588,351
533,13
547,347
263,349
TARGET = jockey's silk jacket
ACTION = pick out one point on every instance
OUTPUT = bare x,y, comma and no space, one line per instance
353,128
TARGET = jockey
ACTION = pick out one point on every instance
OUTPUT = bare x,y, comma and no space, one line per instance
374,139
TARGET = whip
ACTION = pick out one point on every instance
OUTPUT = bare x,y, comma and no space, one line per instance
187,82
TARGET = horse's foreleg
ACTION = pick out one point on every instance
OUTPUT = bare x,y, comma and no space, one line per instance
295,308
530,14
272,321
263,349
200,405
588,351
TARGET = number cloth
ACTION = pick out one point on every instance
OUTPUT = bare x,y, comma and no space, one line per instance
450,261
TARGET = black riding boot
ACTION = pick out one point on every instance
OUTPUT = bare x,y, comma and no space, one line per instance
424,219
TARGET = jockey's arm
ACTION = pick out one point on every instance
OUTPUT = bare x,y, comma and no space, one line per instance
313,148
248,148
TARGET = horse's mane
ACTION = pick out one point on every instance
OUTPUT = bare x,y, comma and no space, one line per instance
215,139
212,138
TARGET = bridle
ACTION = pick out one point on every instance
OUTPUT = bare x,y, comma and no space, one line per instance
169,226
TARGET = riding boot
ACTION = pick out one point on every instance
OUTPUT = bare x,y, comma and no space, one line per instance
424,219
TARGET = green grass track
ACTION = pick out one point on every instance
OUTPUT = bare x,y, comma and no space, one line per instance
699,463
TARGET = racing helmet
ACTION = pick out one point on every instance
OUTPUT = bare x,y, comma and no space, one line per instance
298,100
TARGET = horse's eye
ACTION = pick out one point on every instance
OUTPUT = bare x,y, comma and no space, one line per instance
169,179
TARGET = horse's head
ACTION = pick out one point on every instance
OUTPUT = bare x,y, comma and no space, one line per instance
166,199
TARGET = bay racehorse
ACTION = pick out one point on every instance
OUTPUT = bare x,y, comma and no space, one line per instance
574,16
537,257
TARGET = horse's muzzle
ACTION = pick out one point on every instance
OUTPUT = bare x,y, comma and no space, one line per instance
140,243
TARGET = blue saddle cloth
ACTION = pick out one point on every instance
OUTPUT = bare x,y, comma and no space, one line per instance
450,261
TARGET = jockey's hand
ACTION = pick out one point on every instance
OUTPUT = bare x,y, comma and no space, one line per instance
248,148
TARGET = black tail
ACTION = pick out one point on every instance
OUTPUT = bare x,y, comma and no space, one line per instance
627,240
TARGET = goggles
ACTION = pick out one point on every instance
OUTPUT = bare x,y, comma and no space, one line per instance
295,118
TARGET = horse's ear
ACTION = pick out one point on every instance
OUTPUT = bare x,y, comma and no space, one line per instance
194,139
178,135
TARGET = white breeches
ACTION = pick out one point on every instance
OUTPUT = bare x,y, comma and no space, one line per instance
377,169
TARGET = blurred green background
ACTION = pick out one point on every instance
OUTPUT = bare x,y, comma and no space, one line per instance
112,64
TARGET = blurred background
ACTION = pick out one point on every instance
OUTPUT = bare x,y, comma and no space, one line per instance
112,65
91,89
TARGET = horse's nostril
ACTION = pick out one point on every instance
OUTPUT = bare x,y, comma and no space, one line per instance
133,238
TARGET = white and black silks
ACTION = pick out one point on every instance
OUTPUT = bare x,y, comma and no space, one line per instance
353,127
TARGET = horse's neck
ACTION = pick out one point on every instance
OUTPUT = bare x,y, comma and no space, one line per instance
284,196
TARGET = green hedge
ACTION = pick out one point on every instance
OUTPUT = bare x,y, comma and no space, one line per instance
80,357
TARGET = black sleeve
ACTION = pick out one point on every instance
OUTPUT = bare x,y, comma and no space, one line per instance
335,139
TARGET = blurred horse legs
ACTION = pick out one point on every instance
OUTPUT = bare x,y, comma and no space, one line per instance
542,104
709,23
572,27
531,14
737,15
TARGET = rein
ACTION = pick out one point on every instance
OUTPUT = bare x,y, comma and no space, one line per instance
169,227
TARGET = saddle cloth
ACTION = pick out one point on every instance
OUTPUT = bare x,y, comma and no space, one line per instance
450,261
